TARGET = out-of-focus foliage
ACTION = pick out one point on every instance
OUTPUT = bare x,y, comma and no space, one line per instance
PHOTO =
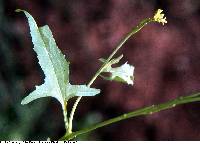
16,122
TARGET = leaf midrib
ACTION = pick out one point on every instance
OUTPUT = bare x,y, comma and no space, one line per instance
52,66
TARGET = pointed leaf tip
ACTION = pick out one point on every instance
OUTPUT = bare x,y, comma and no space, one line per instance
23,102
19,10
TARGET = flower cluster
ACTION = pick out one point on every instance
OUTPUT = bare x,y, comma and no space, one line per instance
159,17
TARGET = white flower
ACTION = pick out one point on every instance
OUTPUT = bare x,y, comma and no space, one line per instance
124,72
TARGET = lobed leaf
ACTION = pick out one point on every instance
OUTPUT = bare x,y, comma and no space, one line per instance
54,66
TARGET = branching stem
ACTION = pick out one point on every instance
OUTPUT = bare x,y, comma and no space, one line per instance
131,33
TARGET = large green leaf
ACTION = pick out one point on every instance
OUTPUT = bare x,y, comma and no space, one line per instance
55,67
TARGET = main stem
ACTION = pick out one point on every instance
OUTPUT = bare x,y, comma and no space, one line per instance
144,111
132,32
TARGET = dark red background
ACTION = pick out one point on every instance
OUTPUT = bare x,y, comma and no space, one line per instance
166,60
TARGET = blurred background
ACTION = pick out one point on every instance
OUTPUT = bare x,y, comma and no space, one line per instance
166,60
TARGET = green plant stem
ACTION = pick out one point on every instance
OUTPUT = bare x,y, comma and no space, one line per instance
132,32
144,111
65,115
72,114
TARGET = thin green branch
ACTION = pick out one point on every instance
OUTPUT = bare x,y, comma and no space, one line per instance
65,115
144,111
69,130
131,33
